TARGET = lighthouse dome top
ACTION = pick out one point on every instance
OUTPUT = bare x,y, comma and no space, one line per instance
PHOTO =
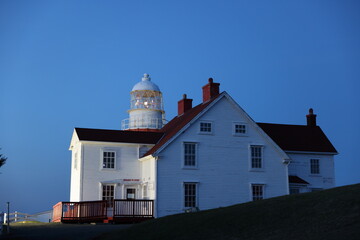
146,84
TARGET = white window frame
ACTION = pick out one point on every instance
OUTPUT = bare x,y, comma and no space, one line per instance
240,134
201,129
102,159
314,166
132,187
184,154
196,195
260,197
109,199
251,157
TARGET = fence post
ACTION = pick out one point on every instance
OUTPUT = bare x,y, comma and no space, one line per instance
79,211
62,212
133,210
8,217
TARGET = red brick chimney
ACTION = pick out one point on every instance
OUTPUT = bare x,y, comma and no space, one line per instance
184,105
210,90
311,118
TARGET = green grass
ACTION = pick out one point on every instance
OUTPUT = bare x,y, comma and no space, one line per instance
330,214
27,222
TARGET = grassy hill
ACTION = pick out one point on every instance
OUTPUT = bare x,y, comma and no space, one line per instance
330,214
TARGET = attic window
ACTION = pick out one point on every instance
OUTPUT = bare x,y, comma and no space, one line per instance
239,129
205,127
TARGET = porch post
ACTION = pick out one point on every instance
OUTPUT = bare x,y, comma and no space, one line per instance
62,212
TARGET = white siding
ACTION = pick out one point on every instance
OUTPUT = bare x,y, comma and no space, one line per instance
127,166
223,174
149,177
75,173
300,166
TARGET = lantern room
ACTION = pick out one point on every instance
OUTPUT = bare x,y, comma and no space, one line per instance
146,106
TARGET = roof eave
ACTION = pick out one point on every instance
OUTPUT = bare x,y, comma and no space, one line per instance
311,152
147,157
114,143
74,139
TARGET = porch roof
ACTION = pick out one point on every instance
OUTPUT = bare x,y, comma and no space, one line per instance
297,180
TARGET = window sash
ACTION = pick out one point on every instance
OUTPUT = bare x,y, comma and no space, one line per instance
108,193
190,154
256,157
205,127
108,159
257,192
190,193
314,166
240,128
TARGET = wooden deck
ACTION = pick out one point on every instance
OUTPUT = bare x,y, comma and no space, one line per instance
80,212
123,211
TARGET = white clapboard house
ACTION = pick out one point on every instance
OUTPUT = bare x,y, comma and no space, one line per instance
208,156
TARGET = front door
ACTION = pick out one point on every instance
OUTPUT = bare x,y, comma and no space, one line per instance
130,193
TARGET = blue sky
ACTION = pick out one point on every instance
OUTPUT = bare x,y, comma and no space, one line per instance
66,64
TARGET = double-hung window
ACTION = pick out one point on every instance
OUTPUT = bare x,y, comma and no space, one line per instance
108,160
314,166
189,154
190,195
257,191
256,157
108,193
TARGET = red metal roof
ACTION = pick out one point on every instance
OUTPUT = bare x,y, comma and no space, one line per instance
103,135
296,179
177,123
130,136
288,137
298,137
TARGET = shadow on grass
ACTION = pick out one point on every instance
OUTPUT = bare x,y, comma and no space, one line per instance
58,231
326,215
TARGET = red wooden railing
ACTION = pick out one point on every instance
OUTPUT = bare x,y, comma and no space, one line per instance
79,211
96,211
57,212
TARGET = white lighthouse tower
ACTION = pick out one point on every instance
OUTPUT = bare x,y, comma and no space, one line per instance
146,107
